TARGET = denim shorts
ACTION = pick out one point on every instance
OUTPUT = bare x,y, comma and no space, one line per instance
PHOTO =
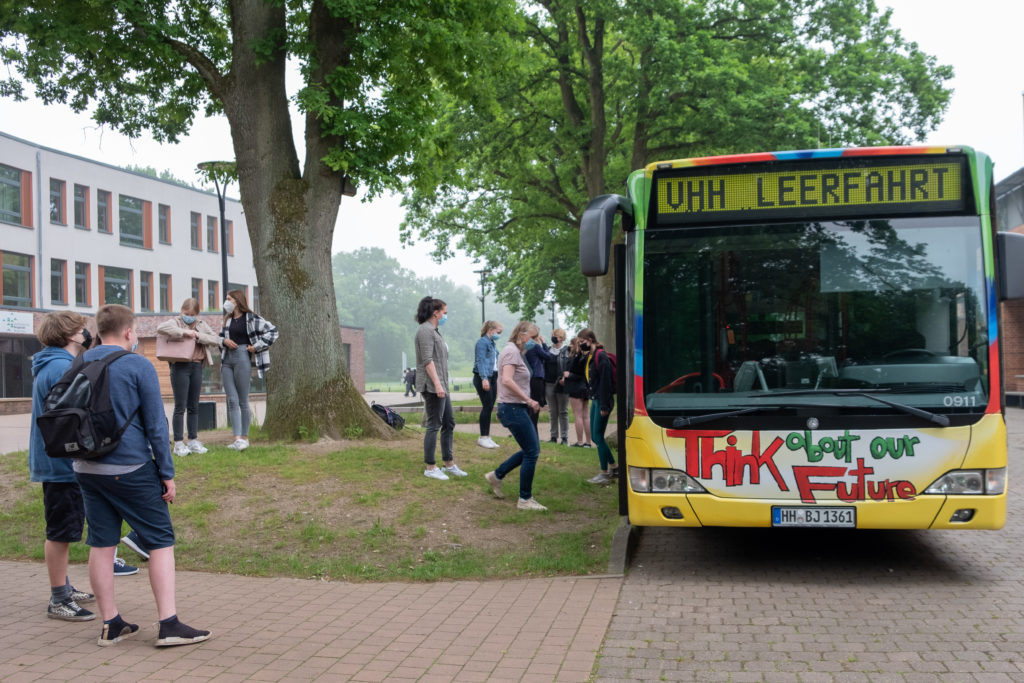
134,498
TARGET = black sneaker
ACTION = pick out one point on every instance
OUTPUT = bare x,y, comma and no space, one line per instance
116,631
133,541
177,633
68,611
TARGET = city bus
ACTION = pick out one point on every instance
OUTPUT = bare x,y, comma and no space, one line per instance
810,338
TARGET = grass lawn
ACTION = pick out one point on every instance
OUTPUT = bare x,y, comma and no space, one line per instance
358,511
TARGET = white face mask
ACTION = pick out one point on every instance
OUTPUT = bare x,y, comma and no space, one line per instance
229,307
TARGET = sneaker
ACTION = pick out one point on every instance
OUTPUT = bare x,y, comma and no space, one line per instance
133,541
181,449
553,439
239,445
487,442
613,473
601,478
196,446
122,568
116,631
530,504
436,473
177,633
454,470
565,442
495,483
586,445
81,596
68,611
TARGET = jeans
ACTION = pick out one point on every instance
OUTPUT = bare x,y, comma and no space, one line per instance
439,416
236,374
486,400
558,410
186,381
516,418
598,423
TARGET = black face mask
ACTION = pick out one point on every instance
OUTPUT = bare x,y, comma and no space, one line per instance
86,338
585,346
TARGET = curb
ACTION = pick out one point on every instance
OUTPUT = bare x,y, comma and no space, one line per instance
623,545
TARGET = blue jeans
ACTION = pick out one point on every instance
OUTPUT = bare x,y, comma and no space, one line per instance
236,375
597,426
515,417
439,417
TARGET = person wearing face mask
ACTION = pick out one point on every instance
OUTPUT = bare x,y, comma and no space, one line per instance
246,338
554,382
485,375
432,383
536,354
579,393
602,400
187,376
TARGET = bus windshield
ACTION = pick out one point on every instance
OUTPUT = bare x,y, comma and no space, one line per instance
816,313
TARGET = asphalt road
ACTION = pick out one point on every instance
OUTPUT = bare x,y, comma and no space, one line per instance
788,605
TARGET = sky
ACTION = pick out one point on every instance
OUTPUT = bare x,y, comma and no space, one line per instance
980,39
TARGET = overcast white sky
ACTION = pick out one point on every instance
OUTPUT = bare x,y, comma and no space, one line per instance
980,39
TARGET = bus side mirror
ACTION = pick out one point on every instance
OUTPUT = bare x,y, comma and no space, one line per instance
1010,265
596,229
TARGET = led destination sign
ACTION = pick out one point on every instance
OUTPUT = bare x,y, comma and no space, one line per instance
825,188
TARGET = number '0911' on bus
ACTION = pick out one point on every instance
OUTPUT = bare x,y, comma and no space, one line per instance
810,339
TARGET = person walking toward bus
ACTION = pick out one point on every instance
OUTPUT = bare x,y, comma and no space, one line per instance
187,376
485,375
432,383
514,408
601,383
554,383
579,394
247,339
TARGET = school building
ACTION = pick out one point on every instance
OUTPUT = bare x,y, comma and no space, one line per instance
76,234
1010,216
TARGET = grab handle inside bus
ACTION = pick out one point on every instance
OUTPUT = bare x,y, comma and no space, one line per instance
596,229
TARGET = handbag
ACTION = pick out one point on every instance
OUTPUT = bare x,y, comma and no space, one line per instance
175,350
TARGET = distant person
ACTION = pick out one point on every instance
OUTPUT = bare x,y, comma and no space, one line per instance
133,483
537,355
485,375
409,377
579,394
432,383
247,339
602,396
514,407
554,382
187,376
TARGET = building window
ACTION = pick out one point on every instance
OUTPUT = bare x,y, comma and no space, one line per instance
82,289
230,229
10,195
195,222
81,207
197,289
165,292
58,211
213,294
16,286
117,286
211,234
103,223
130,221
58,281
164,218
145,291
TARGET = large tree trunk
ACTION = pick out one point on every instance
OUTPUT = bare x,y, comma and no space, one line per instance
290,218
603,307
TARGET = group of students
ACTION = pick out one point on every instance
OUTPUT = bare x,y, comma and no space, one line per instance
517,379
133,483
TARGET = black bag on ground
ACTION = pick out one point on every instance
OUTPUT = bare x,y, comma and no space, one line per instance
388,415
78,419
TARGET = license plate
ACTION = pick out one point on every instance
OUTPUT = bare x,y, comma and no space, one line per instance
842,517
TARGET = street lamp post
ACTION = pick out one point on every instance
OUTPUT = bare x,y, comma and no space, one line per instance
484,272
218,172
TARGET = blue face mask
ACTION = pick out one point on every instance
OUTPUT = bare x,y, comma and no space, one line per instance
443,320
530,344
135,345
188,319
494,337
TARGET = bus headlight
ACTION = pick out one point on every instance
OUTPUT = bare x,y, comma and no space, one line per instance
970,483
644,480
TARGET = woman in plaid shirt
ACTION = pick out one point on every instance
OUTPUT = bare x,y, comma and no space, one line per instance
247,340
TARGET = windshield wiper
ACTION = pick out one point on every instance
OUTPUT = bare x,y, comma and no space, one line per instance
940,420
697,419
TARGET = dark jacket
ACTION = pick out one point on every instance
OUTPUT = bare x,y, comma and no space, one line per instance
600,380
48,366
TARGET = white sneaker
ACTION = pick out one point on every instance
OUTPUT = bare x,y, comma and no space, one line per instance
181,449
486,442
196,446
239,445
530,504
453,469
435,473
495,484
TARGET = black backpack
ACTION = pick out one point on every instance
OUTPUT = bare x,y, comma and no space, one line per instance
388,415
78,419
